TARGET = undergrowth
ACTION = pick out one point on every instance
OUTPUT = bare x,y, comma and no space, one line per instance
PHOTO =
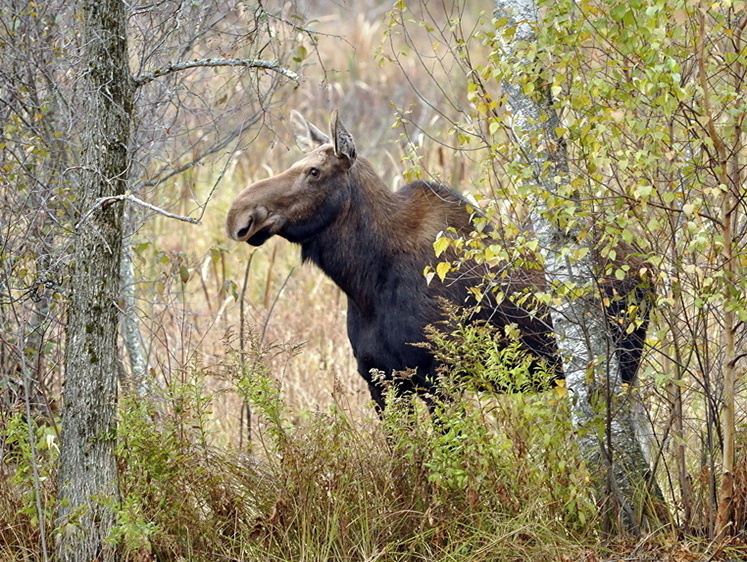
28,463
493,479
490,478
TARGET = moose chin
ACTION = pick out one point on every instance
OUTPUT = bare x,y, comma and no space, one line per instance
375,244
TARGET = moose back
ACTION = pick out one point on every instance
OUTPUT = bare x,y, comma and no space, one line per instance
374,244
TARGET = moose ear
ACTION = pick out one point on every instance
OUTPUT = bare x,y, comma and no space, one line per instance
308,137
342,140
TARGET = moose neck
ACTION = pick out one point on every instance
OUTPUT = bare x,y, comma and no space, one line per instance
361,246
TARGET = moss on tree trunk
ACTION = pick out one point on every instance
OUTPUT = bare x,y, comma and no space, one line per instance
88,472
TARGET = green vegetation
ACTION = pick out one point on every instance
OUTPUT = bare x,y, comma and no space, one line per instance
484,485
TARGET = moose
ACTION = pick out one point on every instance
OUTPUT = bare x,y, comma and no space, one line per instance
375,244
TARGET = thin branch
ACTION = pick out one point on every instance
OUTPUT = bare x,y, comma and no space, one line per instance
247,63
272,307
27,382
196,160
104,202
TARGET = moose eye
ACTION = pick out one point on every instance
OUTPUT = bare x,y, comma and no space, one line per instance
314,172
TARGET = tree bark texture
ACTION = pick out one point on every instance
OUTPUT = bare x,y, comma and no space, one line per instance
131,334
88,472
602,412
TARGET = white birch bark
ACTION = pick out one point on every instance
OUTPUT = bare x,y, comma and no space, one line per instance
131,334
602,413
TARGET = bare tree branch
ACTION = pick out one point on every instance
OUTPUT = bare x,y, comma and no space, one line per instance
159,178
199,63
104,202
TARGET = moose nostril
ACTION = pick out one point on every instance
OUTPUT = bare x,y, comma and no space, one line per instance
241,233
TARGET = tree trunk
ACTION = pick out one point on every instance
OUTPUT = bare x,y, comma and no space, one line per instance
138,382
88,473
602,412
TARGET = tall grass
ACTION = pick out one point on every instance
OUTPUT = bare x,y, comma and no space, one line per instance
482,486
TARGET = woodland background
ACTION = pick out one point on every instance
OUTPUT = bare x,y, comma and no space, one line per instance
243,431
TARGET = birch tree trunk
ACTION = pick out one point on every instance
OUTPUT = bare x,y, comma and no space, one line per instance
131,335
88,472
602,413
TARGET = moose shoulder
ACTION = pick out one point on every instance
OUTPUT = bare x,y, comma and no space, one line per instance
374,244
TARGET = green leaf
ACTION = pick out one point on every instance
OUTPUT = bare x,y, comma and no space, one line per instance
183,273
644,191
301,53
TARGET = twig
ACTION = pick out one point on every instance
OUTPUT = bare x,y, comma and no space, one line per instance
197,159
106,201
246,406
28,381
272,307
248,63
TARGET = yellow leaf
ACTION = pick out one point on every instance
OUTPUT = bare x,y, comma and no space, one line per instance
442,269
560,388
441,245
